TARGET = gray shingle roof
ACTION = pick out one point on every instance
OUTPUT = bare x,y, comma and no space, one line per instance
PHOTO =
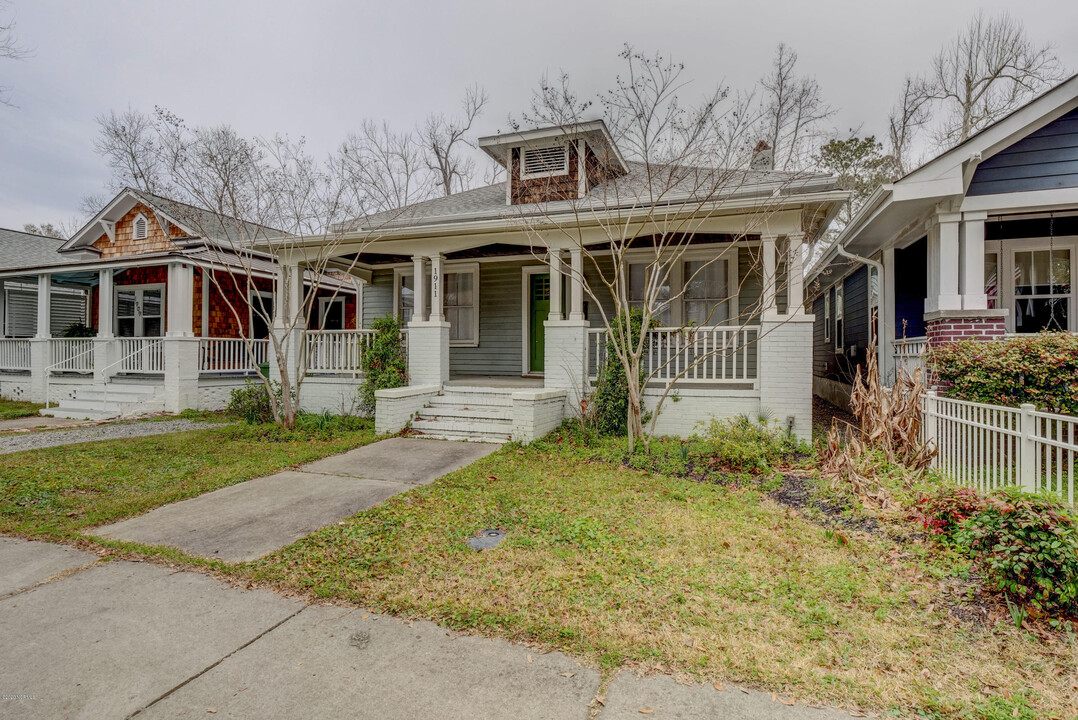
25,250
634,189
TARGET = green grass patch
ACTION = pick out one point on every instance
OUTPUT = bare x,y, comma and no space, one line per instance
55,493
12,409
643,568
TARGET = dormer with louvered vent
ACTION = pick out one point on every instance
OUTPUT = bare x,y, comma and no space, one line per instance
555,163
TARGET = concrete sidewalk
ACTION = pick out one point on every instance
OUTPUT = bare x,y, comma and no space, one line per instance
117,640
246,521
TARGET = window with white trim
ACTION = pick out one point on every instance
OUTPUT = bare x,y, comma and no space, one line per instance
706,300
840,340
460,301
141,227
544,161
331,313
1042,290
827,316
639,279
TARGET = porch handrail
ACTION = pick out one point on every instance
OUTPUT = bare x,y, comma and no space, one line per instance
152,342
72,349
15,354
690,355
50,368
337,351
225,354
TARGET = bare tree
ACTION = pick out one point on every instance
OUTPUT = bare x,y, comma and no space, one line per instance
792,110
905,120
553,103
386,170
45,230
130,143
990,68
9,47
684,167
445,140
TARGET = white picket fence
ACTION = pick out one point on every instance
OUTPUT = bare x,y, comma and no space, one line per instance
989,446
230,355
14,354
692,355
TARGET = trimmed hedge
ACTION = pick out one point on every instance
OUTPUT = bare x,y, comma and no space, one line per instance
1039,369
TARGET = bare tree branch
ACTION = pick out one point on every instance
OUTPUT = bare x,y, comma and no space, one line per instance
445,138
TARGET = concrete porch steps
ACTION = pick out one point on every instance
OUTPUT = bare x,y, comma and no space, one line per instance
96,402
479,414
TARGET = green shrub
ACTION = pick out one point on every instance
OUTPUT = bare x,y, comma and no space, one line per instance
1028,546
251,402
384,362
610,400
309,426
944,511
78,330
1039,369
754,447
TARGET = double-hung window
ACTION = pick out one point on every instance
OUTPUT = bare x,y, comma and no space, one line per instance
827,316
1042,290
840,340
707,292
644,289
460,301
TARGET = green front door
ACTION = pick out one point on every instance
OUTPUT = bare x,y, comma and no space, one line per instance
539,301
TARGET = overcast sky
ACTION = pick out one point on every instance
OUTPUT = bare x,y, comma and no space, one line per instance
316,68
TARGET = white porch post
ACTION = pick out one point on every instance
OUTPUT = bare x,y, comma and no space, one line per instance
359,285
887,317
555,285
795,294
437,312
39,345
287,315
767,251
3,311
419,297
971,254
428,340
44,305
181,347
576,284
943,266
105,345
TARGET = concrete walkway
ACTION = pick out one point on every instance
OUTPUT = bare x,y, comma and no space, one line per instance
246,521
117,640
92,432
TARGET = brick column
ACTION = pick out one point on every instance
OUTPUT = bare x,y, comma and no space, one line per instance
948,327
786,379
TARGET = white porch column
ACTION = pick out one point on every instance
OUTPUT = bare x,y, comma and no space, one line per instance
287,315
44,305
943,266
887,319
419,297
359,285
437,311
785,372
3,311
40,358
971,256
767,251
181,347
105,344
795,293
576,284
181,300
555,285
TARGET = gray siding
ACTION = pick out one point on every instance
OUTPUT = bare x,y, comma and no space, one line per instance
827,363
1043,160
378,296
501,303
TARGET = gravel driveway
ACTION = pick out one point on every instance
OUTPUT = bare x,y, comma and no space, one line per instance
108,431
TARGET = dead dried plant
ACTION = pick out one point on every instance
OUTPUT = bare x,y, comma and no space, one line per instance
889,421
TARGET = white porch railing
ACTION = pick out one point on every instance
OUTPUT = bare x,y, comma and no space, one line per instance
910,354
142,355
337,351
230,355
14,354
990,446
71,355
694,355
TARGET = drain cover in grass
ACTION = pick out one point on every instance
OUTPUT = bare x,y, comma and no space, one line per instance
486,539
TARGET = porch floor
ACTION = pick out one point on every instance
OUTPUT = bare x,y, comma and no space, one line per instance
495,381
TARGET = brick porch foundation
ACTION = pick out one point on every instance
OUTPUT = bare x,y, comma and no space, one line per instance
948,329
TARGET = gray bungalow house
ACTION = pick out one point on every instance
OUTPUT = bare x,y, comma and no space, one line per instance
503,336
980,242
